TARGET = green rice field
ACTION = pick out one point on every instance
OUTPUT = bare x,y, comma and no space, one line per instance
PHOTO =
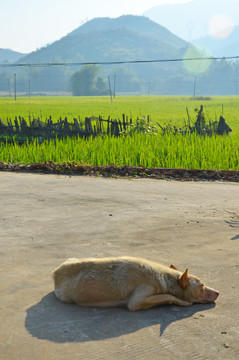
162,109
173,151
192,152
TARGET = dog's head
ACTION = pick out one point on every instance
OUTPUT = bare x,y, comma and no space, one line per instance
194,290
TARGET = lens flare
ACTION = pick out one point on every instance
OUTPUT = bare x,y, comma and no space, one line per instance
220,26
196,66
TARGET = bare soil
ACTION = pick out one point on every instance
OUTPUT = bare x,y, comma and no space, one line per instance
124,171
45,219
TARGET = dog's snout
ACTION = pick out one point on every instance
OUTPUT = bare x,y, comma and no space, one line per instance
213,295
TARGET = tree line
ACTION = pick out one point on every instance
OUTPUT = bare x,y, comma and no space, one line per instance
221,78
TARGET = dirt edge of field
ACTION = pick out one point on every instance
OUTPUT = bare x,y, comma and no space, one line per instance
124,171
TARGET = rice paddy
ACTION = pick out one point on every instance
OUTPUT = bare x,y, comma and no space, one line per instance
172,151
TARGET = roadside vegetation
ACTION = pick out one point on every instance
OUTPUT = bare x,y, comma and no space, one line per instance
171,151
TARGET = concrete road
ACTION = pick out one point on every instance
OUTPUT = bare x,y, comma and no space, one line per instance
45,219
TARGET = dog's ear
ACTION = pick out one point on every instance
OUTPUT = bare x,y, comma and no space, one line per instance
183,279
173,267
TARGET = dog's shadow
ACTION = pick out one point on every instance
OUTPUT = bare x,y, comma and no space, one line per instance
58,322
235,225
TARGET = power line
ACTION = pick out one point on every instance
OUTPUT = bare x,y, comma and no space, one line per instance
119,62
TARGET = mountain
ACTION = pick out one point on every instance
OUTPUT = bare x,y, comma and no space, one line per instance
105,39
10,56
126,38
139,24
191,20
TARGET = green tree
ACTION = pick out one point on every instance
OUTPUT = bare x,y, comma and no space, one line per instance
86,82
101,87
126,80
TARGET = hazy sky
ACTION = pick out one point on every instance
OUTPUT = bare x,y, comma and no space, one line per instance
26,25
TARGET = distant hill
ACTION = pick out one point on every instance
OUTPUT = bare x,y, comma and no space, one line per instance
105,39
126,38
139,24
10,56
190,20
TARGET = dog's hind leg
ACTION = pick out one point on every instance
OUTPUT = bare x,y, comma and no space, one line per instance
143,298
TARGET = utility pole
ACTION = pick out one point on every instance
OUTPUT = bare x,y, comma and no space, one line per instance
15,86
149,88
114,84
194,89
29,88
110,88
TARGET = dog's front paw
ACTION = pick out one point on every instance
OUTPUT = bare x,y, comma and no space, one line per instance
185,303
